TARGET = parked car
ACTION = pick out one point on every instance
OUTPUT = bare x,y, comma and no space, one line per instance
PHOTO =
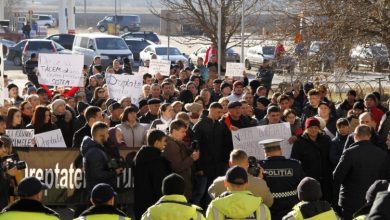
148,35
6,33
321,56
375,56
37,46
136,45
6,44
231,55
126,22
256,55
44,20
4,23
162,54
66,40
108,47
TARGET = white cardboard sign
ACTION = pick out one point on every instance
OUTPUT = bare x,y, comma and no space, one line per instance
142,70
234,69
52,138
160,66
120,86
21,137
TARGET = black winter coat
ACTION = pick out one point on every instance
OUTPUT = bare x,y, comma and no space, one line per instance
359,167
150,168
375,140
336,148
65,123
307,112
209,134
314,157
380,209
95,161
78,137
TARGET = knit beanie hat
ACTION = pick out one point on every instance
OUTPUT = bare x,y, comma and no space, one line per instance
309,189
263,100
10,86
312,121
173,184
358,105
371,96
57,103
81,106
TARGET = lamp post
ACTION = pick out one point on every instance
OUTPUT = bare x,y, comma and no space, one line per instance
219,38
242,31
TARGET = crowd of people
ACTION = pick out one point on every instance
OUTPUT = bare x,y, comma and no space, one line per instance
186,166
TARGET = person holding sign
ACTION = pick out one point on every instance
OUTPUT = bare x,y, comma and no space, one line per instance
282,176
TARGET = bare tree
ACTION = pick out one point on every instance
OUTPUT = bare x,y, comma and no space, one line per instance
203,15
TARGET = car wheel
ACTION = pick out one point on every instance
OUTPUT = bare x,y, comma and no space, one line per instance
126,29
17,61
102,29
247,65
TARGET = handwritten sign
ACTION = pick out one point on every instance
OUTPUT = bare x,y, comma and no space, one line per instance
142,70
61,70
120,86
234,69
50,139
2,89
248,139
21,137
160,66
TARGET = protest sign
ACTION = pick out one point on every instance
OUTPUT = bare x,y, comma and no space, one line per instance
120,86
2,89
160,66
21,137
61,69
50,139
234,69
248,139
142,70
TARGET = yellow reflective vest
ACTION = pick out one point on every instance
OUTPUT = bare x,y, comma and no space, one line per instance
102,217
296,214
238,205
171,207
10,215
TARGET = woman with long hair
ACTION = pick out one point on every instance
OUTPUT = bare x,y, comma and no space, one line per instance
27,112
41,120
90,87
98,94
14,119
165,116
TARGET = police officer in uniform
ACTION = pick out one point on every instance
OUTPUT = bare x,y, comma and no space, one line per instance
103,199
237,202
29,205
282,176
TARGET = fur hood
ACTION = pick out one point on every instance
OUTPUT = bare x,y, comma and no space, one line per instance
67,116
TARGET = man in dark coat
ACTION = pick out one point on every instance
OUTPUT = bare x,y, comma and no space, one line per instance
310,109
152,114
208,133
96,160
92,115
150,168
232,121
380,209
312,150
358,168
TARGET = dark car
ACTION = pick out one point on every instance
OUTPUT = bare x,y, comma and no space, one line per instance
373,56
148,35
65,40
126,22
15,53
6,33
136,45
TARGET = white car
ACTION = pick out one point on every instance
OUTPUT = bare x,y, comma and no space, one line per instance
44,20
256,56
231,55
162,54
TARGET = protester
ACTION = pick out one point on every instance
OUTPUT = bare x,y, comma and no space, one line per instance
134,134
92,114
165,116
14,119
39,125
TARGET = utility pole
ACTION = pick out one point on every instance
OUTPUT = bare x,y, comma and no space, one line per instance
115,19
168,32
219,38
85,13
62,27
71,17
2,9
242,31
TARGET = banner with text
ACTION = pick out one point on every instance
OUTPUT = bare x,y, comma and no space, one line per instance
52,138
142,70
61,69
235,69
120,86
248,139
21,137
2,89
61,170
160,66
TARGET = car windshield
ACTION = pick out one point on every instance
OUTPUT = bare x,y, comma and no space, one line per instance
163,51
269,50
136,45
111,44
39,45
379,50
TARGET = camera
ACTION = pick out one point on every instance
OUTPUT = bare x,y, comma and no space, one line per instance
11,161
254,167
116,163
195,145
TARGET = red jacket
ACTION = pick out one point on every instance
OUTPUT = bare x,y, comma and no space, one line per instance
67,93
209,50
377,115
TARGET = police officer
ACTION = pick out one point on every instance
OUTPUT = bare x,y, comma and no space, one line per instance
29,205
282,176
103,198
173,204
237,202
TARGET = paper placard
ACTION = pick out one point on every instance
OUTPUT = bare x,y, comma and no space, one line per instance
120,86
234,69
160,66
2,89
50,139
61,69
21,137
142,70
247,139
